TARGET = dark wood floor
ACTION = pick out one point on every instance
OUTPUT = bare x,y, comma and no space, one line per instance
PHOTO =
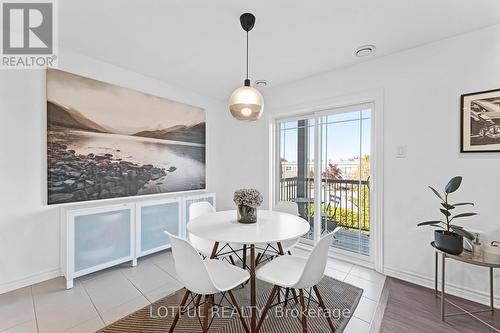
411,308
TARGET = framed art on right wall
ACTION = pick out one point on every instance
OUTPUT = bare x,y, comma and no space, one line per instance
480,122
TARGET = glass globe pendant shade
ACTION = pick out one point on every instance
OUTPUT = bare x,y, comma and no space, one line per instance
246,103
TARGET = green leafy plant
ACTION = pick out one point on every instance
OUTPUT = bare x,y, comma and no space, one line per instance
447,208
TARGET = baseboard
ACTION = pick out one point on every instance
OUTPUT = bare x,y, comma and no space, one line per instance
30,280
378,317
452,289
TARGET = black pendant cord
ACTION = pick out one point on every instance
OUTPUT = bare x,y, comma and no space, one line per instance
247,56
247,21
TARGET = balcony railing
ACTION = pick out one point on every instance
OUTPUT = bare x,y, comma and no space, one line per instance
344,202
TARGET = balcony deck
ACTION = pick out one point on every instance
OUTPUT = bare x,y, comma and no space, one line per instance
340,203
349,240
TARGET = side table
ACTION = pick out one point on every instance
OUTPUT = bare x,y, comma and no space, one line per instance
466,258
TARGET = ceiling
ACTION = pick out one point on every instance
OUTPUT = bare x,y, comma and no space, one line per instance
199,44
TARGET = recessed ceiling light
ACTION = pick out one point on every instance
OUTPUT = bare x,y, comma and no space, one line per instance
261,82
365,50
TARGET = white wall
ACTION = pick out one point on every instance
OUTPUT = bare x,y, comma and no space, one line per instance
422,88
29,231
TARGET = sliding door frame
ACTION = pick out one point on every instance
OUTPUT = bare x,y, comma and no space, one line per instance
316,110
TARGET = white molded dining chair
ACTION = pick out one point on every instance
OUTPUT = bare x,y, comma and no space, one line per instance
197,209
204,278
204,246
292,272
288,207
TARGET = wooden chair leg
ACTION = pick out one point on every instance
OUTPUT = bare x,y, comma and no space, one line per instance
258,259
178,314
303,317
287,291
270,300
197,301
238,310
205,313
295,298
322,304
244,261
214,250
280,249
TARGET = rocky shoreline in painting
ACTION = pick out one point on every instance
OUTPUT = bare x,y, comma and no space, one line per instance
75,177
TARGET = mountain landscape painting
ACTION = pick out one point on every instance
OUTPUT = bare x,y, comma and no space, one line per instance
106,141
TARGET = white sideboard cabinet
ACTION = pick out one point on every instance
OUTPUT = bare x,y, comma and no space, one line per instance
96,238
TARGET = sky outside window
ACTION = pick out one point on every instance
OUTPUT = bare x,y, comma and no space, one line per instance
341,136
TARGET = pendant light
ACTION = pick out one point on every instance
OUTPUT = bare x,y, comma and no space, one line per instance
246,103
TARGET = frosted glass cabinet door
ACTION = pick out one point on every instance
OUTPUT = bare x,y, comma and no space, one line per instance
154,220
101,238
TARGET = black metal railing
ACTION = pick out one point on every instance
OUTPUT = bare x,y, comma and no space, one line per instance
344,202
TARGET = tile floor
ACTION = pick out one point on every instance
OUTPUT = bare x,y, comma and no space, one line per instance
101,298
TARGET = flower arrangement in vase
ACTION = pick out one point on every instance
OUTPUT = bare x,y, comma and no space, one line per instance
247,200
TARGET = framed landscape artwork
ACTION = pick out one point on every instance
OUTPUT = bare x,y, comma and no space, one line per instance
106,141
480,122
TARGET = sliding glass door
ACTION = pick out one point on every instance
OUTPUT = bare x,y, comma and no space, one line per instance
337,197
345,181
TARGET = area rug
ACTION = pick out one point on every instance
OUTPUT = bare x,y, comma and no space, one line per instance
340,298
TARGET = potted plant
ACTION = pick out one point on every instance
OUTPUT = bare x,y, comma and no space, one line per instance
247,201
449,237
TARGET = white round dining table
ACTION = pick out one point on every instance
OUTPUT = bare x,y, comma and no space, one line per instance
271,227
